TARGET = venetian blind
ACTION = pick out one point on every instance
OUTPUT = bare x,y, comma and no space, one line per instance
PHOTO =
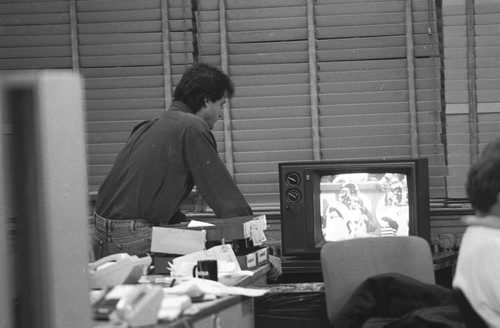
456,95
35,35
487,43
472,80
326,79
372,70
347,69
266,50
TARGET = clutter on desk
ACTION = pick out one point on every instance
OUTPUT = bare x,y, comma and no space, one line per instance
221,250
244,234
228,272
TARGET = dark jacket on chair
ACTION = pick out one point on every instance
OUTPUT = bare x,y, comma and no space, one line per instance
395,300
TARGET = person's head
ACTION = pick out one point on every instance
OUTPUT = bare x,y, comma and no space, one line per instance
388,222
483,180
204,88
348,191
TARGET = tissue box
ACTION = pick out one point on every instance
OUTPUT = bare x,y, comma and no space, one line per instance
253,258
247,261
262,256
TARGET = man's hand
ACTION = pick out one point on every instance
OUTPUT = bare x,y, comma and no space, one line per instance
275,272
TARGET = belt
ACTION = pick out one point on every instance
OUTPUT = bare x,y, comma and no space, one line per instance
119,225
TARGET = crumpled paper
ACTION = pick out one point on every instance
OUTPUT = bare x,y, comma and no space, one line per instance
228,267
196,287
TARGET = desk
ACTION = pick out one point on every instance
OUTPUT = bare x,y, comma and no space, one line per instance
228,311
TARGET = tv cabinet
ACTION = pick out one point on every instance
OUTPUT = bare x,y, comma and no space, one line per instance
301,270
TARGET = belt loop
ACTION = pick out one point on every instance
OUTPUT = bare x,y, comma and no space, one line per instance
132,225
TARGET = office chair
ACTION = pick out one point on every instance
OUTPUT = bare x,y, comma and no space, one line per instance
347,263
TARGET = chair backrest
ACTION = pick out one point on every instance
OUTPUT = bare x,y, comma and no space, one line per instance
347,263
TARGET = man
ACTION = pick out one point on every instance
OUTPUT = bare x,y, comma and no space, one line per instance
478,264
161,162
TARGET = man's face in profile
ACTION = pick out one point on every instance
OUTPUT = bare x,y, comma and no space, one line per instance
212,111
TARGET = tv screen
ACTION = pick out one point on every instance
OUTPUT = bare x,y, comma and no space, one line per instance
364,204
336,200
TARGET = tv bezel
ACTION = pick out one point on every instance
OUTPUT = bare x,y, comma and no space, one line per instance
305,213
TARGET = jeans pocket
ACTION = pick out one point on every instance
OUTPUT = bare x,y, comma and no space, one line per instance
136,242
98,243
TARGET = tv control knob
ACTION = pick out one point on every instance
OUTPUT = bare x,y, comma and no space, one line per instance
293,179
294,195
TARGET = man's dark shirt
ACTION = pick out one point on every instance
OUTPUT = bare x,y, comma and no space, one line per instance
161,162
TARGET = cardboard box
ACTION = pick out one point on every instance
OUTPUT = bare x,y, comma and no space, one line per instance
225,229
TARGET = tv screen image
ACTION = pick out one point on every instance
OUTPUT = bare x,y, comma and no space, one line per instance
323,201
357,205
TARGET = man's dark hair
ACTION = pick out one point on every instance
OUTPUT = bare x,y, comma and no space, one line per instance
483,179
203,82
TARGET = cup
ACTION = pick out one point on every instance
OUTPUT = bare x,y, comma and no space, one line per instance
206,269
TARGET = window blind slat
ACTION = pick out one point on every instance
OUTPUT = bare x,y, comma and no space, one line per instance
291,123
266,13
119,27
34,41
267,36
270,112
124,82
273,156
35,52
118,38
267,145
36,63
271,134
36,19
257,80
274,101
121,49
125,93
112,5
269,58
34,8
125,104
271,90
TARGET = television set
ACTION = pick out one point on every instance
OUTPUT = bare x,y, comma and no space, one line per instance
324,201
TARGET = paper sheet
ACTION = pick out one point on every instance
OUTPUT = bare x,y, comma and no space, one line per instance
177,241
204,286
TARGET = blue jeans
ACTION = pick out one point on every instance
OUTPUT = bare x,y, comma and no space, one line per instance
131,238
